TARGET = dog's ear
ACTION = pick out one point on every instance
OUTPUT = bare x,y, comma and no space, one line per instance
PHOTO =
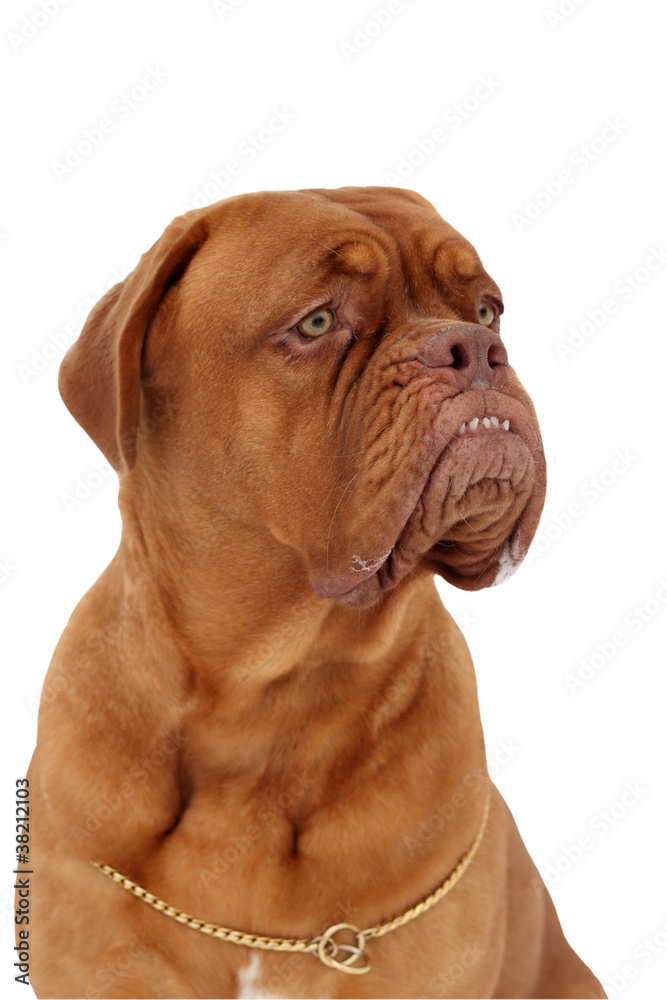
101,373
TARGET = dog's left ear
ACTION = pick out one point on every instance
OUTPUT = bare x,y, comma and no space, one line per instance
101,373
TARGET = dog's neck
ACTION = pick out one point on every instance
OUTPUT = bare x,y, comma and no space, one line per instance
288,705
256,624
238,604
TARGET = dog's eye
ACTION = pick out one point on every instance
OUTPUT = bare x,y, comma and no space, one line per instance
317,324
486,314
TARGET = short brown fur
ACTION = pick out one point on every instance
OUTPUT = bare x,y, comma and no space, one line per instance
232,717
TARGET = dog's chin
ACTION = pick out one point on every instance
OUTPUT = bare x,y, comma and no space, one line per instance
471,525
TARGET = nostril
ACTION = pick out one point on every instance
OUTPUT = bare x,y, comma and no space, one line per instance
457,357
497,356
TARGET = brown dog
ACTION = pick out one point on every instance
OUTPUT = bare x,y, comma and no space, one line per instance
261,713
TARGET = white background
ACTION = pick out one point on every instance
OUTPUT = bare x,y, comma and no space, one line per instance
358,108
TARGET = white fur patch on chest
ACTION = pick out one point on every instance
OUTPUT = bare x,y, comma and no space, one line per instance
248,981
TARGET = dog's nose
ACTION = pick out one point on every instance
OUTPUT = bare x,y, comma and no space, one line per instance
475,352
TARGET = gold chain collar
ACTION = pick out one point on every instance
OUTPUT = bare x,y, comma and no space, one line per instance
323,946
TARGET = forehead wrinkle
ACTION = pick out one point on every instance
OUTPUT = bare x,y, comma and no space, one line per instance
415,263
362,254
462,261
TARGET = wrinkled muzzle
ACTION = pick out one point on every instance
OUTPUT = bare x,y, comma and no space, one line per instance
453,479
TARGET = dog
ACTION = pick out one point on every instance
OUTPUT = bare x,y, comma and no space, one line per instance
261,721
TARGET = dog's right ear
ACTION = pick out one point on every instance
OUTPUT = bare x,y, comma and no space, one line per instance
100,375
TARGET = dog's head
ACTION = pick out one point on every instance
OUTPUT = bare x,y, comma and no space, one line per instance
329,368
